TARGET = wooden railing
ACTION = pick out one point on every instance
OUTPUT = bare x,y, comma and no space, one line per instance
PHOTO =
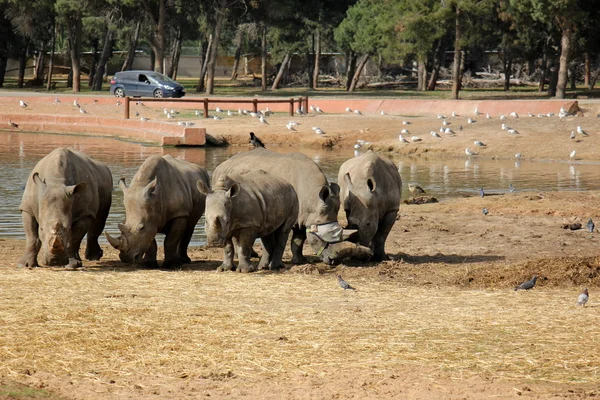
300,101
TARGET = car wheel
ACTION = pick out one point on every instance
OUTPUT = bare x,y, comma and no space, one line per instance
119,92
158,93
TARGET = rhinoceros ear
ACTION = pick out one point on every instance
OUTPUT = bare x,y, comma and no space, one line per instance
348,181
71,190
151,189
123,185
202,188
335,189
37,180
233,191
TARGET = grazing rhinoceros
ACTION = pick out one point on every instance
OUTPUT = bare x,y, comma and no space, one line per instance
318,200
162,198
370,188
241,208
66,196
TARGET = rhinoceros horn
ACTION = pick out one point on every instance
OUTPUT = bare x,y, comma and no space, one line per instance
113,242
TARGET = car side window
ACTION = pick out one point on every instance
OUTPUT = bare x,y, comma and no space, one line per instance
143,78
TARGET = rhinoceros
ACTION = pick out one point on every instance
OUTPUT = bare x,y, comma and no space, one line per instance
162,198
67,195
318,200
241,208
370,188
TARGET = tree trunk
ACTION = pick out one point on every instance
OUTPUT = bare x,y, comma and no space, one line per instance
104,57
456,69
74,34
593,79
128,63
282,69
175,55
3,62
212,57
236,60
263,61
94,62
40,63
545,66
350,69
23,63
438,60
563,71
206,52
507,69
553,79
317,58
422,73
160,38
51,65
359,67
588,69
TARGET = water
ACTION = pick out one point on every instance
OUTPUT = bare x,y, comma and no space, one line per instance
442,178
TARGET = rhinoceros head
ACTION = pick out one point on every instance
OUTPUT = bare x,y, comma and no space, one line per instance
142,215
55,218
359,205
219,207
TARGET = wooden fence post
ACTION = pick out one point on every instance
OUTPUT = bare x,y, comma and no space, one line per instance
126,108
306,104
291,106
255,105
205,107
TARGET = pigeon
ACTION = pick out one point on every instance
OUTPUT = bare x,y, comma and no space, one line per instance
255,141
527,285
572,134
583,298
481,192
343,284
348,109
581,131
12,124
357,112
415,189
485,211
511,188
514,115
470,152
590,225
480,144
572,155
403,139
22,104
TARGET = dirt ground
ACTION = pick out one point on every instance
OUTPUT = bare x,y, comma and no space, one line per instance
439,320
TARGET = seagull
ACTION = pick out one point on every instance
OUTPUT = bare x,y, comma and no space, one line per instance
445,123
263,120
170,116
415,139
290,127
435,134
480,144
144,119
229,113
357,112
56,100
218,109
449,131
476,111
293,123
165,111
382,112
583,298
12,124
312,108
255,141
415,189
530,114
348,109
572,155
318,109
75,103
403,139
217,118
139,103
404,131
481,192
268,112
254,115
22,104
454,114
470,152
405,122
189,123
442,129
118,103
181,123
488,116
300,111
484,211
511,188
82,111
514,115
343,284
318,130
440,116
197,113
541,115
502,117
513,131
518,156
505,127
471,121
590,225
550,114
527,285
581,131
572,134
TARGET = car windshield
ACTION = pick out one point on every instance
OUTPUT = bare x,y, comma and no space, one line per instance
160,77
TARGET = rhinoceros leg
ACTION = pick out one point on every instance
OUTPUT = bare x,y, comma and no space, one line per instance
93,251
228,253
268,243
280,237
243,244
78,231
172,239
298,238
149,259
32,244
184,243
385,226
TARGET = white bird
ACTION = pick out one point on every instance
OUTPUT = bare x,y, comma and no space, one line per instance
218,109
144,119
312,108
216,117
581,131
75,103
267,112
405,122
505,127
480,144
572,134
263,120
174,112
454,114
348,109
357,112
445,123
382,112
22,104
56,100
470,152
404,131
435,134
254,115
139,103
165,111
550,114
290,127
293,123
229,113
514,115
572,155
357,146
518,155
583,298
488,116
118,103
189,123
530,114
562,110
319,131
197,113
170,116
542,115
502,117
476,111
449,131
442,129
471,121
415,139
361,142
318,109
245,112
12,124
181,123
82,111
440,116
513,131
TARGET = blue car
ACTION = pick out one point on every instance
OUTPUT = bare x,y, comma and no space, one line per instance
144,84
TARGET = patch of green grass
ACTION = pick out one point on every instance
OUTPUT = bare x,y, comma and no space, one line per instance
18,392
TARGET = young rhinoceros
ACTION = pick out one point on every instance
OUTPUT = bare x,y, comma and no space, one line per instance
241,208
370,188
67,195
162,198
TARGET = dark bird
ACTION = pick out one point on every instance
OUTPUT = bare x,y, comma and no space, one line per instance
527,285
255,141
12,124
511,188
481,192
583,298
485,211
590,225
343,284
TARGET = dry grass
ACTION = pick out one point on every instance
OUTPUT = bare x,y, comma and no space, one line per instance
128,325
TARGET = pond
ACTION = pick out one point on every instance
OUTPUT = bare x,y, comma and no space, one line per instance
442,178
